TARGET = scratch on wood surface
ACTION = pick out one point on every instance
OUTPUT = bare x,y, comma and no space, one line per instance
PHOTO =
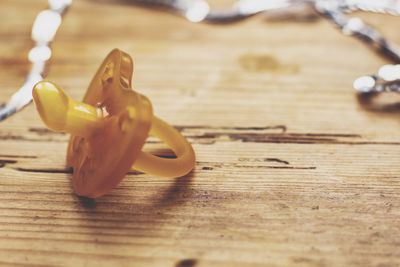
14,137
17,156
287,138
282,128
262,134
44,170
44,131
223,165
4,162
186,263
264,160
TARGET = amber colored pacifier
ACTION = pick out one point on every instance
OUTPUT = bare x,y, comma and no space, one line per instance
109,128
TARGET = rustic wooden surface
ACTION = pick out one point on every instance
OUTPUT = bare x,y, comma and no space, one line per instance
291,169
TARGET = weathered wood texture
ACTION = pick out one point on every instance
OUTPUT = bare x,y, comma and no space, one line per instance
291,169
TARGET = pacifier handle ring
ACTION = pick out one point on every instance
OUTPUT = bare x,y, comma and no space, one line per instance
167,167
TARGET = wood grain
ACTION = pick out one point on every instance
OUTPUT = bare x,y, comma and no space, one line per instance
292,169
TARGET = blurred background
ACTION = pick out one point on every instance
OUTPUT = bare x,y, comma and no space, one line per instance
291,169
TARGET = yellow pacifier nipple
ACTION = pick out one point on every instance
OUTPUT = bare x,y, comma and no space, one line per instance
109,128
63,114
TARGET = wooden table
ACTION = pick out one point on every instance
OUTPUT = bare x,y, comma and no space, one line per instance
291,169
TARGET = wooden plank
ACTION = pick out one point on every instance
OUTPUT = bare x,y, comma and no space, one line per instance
291,169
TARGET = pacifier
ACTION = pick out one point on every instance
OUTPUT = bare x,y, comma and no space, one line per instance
109,129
